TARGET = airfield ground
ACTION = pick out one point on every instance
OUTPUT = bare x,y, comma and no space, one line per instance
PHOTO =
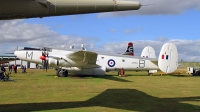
41,91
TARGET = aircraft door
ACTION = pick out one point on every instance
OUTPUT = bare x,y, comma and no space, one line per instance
135,64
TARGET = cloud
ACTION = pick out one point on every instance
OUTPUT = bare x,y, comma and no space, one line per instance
17,33
172,7
113,30
130,31
188,49
162,39
126,31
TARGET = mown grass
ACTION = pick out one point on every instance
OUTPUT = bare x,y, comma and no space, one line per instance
41,91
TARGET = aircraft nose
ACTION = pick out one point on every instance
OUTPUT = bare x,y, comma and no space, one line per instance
15,53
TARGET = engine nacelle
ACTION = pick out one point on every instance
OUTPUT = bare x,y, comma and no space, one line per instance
90,71
55,63
93,71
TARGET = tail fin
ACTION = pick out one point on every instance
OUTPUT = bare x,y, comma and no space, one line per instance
168,58
148,52
130,50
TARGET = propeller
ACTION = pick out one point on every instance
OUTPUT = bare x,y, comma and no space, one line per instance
44,58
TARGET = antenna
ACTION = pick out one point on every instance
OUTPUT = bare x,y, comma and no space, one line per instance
82,46
72,47
148,4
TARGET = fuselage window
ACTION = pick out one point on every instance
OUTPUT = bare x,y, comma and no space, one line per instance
123,60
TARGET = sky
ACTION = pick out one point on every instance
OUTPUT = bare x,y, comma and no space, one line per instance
159,22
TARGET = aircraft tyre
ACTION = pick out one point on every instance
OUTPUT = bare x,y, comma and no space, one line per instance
119,73
59,73
65,74
198,73
62,73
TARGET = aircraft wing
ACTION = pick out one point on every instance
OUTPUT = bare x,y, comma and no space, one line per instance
5,60
87,57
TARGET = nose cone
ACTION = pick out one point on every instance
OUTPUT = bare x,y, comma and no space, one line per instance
19,54
16,52
42,57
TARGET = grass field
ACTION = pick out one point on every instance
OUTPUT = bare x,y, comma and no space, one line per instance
41,91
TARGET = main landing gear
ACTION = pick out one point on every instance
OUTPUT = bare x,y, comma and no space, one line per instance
121,72
62,73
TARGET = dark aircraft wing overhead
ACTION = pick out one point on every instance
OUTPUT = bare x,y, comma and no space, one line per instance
6,60
18,9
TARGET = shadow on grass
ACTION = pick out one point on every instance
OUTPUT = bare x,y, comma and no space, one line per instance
107,77
125,99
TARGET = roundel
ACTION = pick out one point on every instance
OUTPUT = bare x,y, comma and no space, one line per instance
111,63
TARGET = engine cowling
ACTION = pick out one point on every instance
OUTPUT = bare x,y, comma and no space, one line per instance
91,71
94,71
54,62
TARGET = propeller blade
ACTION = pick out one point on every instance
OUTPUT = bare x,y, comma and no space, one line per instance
47,64
43,64
44,58
9,53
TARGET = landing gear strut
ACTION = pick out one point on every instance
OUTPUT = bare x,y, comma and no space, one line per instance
121,72
62,73
150,74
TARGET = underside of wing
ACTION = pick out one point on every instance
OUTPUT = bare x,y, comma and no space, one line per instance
84,57
5,60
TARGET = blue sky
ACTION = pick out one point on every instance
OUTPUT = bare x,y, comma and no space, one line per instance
183,26
174,21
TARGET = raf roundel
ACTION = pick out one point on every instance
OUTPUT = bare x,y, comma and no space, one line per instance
111,63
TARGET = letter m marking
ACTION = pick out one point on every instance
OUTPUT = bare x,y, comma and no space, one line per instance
29,55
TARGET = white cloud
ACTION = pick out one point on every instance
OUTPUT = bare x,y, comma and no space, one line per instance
17,33
126,31
171,7
188,49
130,31
113,30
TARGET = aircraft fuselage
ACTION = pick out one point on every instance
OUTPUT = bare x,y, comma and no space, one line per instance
108,61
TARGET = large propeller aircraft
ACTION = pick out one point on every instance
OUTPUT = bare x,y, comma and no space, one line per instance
17,9
92,63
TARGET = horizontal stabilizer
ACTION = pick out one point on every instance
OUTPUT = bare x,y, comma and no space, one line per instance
148,52
168,58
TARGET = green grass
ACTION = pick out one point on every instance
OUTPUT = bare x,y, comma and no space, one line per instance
189,64
41,91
